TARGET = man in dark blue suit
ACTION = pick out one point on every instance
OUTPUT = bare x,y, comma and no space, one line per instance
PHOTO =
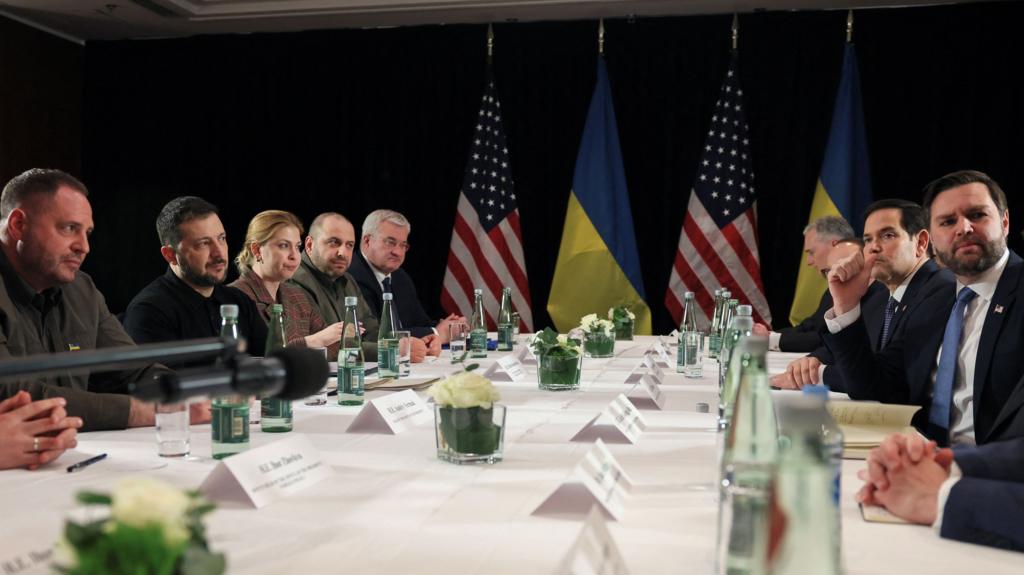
895,232
972,494
959,357
377,269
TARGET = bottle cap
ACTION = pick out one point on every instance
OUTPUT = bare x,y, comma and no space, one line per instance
744,310
229,311
352,300
276,308
688,295
702,407
478,291
387,296
754,345
726,294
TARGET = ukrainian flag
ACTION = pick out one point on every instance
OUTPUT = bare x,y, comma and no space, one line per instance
844,186
598,264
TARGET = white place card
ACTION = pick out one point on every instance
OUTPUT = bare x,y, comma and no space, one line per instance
511,367
654,368
650,395
619,422
662,350
597,479
594,552
391,414
263,475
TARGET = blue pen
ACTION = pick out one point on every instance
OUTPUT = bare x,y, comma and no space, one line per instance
87,462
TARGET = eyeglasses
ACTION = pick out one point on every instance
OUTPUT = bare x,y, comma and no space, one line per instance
392,243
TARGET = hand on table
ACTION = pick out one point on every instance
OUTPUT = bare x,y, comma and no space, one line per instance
433,343
417,349
442,327
33,433
800,372
761,329
904,475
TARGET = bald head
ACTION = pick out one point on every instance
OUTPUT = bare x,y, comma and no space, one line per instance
330,243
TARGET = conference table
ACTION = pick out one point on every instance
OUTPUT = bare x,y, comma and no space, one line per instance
391,506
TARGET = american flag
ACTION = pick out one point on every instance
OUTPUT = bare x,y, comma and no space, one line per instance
718,242
487,243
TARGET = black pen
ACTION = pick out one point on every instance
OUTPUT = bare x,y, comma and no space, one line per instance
86,463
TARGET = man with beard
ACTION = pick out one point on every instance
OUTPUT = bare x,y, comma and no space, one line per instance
184,303
323,274
962,361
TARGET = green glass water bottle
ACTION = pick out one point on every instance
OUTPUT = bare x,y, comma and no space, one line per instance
350,358
478,326
229,414
275,414
387,343
505,336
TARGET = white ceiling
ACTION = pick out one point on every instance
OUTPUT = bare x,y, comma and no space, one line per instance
82,20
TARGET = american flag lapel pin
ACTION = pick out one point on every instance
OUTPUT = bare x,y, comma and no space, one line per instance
997,309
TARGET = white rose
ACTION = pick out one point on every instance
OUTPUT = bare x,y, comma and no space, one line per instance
465,389
630,314
139,502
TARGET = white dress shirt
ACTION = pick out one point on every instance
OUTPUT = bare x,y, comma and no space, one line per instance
962,412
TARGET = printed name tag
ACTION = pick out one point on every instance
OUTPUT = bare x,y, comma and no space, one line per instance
391,414
655,369
651,396
619,422
597,479
512,367
662,351
594,552
263,475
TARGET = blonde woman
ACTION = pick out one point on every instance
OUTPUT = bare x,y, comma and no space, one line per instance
269,257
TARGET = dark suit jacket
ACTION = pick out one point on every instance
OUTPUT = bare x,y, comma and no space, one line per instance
986,504
806,335
406,302
902,372
872,308
873,311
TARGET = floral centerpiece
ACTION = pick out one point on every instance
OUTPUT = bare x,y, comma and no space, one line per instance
146,526
623,320
598,336
558,361
469,426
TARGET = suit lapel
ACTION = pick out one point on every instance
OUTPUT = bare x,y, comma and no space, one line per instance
910,295
1001,306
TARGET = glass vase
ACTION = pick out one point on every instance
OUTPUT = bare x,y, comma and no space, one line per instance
559,372
598,344
624,330
470,435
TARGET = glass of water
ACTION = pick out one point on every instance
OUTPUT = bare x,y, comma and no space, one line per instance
515,327
320,397
692,348
404,353
458,333
172,421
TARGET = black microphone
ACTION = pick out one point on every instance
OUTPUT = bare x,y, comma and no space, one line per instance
288,373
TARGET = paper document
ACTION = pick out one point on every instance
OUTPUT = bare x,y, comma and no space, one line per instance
865,424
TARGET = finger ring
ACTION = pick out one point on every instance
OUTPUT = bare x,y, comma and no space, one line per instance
35,444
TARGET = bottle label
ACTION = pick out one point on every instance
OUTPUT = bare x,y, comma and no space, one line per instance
275,408
387,357
478,340
230,423
350,380
504,337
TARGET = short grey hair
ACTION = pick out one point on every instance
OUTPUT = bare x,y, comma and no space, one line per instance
831,227
376,217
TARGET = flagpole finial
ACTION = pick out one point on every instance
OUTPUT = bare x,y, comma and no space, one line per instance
735,30
490,40
849,26
600,36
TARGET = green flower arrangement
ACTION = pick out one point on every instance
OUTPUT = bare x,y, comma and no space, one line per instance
623,320
150,527
558,361
550,343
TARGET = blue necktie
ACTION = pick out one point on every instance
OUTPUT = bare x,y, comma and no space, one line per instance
890,310
386,283
945,375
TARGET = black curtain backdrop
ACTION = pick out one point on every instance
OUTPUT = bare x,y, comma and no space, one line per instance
354,120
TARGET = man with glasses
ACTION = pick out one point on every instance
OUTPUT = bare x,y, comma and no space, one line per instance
377,268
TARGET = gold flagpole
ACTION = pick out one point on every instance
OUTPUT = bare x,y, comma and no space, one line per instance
600,37
735,31
849,26
490,42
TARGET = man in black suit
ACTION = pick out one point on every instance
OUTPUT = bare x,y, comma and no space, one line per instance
820,236
377,269
961,361
895,233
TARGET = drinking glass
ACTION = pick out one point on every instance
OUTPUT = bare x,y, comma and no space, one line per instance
172,421
458,334
404,353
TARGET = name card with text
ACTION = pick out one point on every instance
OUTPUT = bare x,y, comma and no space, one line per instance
649,395
619,422
597,479
511,366
594,552
391,414
653,368
263,475
662,350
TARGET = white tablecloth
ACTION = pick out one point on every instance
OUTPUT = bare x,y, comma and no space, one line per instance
393,507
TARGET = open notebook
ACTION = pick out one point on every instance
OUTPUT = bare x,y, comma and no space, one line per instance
865,424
